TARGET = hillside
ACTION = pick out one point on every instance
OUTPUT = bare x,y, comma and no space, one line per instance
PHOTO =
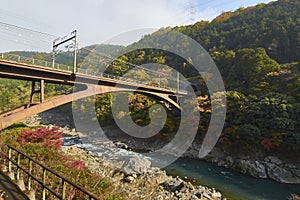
274,26
257,52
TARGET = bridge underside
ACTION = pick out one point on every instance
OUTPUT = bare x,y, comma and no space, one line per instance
90,90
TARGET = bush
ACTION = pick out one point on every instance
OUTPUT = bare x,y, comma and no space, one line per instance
249,133
36,143
48,137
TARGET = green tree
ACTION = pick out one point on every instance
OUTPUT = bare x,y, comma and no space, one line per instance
249,133
250,67
236,106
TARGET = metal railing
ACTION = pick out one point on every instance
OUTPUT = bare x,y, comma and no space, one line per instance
49,64
45,171
34,61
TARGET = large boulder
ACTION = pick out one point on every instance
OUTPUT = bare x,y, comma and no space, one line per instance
254,168
281,173
174,184
136,165
273,160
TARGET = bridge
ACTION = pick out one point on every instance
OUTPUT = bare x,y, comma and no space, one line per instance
88,83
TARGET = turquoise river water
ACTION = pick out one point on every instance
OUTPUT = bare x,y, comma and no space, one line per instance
231,184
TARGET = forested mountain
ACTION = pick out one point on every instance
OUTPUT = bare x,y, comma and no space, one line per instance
274,26
257,50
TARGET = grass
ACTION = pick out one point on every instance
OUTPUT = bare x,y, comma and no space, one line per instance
68,166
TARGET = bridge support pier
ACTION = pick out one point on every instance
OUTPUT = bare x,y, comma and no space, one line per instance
40,90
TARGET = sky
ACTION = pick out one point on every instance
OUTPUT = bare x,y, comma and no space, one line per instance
97,21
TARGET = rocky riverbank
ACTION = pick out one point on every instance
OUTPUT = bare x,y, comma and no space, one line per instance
134,177
270,167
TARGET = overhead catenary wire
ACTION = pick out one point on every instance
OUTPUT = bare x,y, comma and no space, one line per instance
17,42
27,29
25,37
24,41
16,34
33,39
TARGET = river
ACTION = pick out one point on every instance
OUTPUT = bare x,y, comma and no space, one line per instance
231,184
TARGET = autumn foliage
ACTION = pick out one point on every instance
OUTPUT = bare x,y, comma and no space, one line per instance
77,164
48,137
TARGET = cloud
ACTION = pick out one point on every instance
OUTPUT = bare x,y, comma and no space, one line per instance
96,20
114,17
100,20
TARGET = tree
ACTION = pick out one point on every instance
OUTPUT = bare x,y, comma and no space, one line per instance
250,67
236,106
272,111
249,133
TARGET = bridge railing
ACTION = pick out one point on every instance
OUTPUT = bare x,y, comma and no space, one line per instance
49,64
14,159
34,61
115,77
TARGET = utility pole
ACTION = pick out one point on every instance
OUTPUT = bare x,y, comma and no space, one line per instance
191,11
59,41
75,51
53,54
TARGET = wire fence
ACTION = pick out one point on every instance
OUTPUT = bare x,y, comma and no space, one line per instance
22,165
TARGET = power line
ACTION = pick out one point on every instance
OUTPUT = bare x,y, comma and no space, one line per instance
50,35
17,42
21,36
27,29
25,36
25,18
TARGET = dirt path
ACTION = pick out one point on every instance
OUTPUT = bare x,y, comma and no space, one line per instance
9,190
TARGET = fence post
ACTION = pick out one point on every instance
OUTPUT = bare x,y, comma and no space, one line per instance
29,174
19,58
18,166
2,55
32,60
9,157
63,195
44,182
